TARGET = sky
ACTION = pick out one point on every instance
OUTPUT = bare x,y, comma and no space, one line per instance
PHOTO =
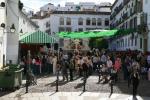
36,4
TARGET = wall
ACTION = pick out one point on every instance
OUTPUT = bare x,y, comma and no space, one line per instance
127,9
127,44
2,20
74,24
146,5
25,25
11,39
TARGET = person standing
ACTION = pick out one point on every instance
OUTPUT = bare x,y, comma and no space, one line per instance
103,59
117,67
135,77
148,60
109,64
49,63
54,61
65,66
71,68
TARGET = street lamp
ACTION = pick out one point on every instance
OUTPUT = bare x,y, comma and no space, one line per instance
7,29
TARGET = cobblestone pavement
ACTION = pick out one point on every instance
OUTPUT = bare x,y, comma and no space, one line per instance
45,90
47,84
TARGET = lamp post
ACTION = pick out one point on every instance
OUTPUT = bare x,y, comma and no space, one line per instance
6,29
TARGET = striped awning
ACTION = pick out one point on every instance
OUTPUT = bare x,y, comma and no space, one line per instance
37,37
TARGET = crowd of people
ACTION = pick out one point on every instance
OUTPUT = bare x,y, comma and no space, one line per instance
106,64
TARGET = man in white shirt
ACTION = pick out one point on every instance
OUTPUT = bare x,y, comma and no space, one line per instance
103,59
148,59
109,62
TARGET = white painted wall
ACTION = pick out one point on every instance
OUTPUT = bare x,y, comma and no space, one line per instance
70,6
48,7
74,24
11,42
127,43
2,20
25,24
42,23
146,5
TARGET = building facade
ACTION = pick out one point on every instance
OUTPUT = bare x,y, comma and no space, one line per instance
9,39
130,14
12,24
82,6
86,17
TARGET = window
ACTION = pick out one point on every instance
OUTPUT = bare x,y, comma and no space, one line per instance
99,22
106,22
80,29
141,43
80,21
135,41
48,31
47,24
126,25
93,21
128,42
132,42
131,23
61,29
88,21
61,21
68,22
68,29
135,22
123,43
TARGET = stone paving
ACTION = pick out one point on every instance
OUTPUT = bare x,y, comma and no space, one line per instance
69,96
45,90
47,84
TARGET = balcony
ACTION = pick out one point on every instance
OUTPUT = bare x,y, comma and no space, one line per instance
125,2
125,16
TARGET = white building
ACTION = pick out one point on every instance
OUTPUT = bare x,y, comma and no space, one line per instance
11,23
59,21
130,14
9,40
82,6
146,4
26,25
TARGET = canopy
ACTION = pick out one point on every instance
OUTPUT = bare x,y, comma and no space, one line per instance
37,37
88,34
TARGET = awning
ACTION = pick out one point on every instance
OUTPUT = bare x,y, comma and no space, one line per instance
37,37
88,34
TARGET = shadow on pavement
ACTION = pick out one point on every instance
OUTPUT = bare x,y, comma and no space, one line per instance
52,93
3,93
79,85
60,83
